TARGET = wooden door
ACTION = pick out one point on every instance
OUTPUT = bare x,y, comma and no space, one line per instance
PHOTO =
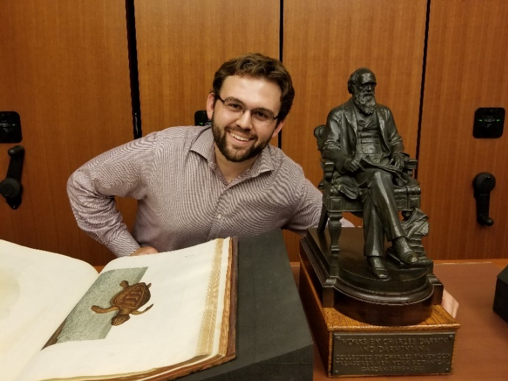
182,43
467,68
64,69
324,42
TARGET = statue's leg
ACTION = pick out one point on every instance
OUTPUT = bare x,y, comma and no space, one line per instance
374,238
381,193
372,229
378,190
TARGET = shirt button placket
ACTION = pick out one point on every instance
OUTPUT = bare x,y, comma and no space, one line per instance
219,217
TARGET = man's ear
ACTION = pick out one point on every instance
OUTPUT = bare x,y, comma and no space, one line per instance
278,128
210,104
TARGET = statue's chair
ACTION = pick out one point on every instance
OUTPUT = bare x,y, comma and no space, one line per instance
336,203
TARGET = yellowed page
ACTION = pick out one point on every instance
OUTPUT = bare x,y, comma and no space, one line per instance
38,289
170,332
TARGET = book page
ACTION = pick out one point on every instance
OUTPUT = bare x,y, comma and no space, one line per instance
38,289
180,321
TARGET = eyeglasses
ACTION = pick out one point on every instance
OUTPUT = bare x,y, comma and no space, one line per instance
260,116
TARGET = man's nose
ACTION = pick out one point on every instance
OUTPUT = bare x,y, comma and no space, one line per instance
244,120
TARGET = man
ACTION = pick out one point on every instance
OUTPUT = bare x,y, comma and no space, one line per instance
194,184
362,140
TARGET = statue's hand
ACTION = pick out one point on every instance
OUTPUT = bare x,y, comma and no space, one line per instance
398,160
353,165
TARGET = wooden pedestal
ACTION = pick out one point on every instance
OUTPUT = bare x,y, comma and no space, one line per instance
352,348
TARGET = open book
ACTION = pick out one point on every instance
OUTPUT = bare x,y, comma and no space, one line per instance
150,317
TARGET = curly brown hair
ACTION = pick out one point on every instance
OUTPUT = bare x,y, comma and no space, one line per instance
257,65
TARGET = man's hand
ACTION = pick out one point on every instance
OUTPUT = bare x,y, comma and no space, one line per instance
145,250
353,165
398,160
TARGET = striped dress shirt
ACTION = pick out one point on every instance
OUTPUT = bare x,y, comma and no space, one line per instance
183,198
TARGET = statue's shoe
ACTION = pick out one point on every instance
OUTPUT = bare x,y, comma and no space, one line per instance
404,251
377,267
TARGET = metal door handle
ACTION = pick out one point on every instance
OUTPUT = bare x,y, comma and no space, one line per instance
11,187
483,184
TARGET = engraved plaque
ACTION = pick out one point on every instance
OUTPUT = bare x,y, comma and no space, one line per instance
376,354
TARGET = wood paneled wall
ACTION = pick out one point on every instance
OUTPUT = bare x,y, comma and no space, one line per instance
64,69
467,68
182,43
324,42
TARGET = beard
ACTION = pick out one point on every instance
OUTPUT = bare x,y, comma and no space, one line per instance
230,152
366,103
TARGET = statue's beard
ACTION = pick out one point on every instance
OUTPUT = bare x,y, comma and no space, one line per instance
366,103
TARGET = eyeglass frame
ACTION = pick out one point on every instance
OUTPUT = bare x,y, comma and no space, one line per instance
217,96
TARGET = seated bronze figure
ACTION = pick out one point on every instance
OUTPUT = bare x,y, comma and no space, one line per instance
367,172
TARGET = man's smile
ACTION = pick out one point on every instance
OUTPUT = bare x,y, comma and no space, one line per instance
236,136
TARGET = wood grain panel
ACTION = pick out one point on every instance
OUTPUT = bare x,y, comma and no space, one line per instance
182,43
64,69
324,42
467,68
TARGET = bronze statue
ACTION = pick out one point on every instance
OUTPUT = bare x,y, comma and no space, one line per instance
361,139
367,173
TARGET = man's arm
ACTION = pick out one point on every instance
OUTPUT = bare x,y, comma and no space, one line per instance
122,171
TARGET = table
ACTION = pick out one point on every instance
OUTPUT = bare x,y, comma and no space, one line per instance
481,351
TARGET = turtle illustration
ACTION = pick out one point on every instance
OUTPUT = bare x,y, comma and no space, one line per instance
127,302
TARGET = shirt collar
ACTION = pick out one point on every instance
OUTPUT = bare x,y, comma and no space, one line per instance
204,146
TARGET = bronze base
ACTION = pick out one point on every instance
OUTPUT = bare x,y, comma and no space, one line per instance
349,347
346,283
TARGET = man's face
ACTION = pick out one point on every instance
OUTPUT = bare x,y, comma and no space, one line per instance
364,93
237,136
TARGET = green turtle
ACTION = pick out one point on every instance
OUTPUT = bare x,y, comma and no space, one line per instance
127,302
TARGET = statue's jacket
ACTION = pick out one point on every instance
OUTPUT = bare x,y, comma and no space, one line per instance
339,140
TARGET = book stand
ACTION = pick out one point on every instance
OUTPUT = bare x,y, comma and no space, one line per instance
273,338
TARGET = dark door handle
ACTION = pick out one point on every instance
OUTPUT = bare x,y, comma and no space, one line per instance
483,184
11,187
